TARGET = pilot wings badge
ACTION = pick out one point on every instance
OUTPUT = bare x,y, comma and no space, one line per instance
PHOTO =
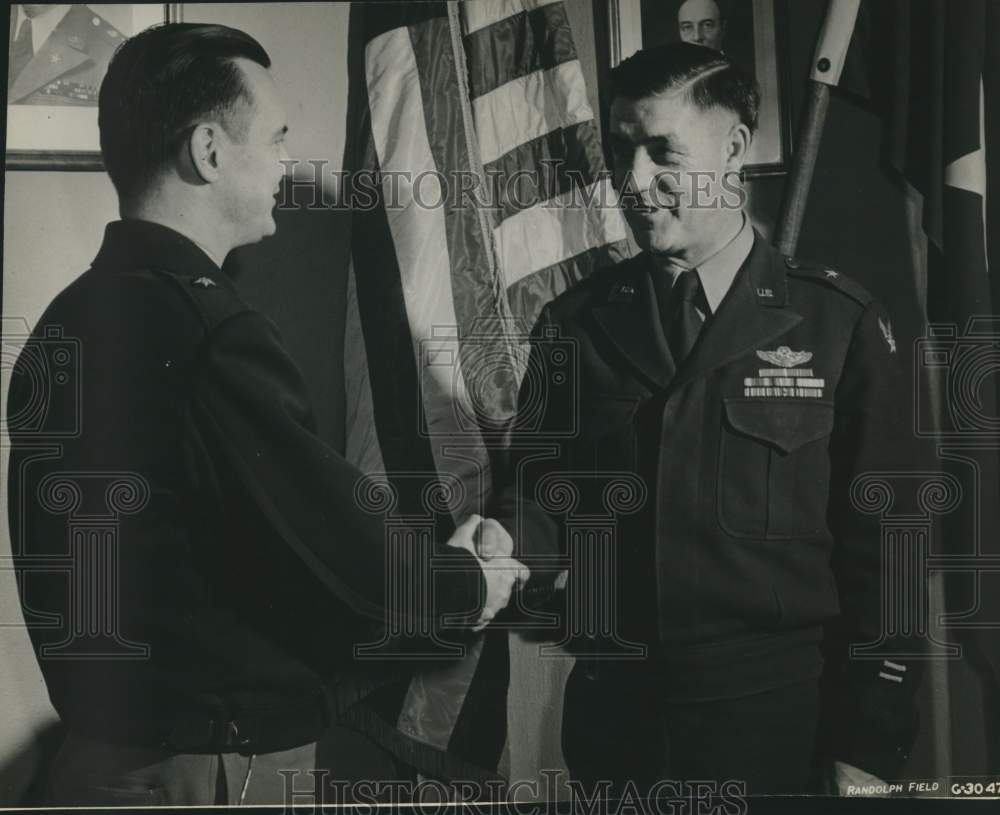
783,379
785,357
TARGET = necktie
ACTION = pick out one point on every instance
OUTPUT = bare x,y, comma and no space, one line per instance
23,51
685,321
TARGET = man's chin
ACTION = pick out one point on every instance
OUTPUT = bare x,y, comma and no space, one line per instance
651,240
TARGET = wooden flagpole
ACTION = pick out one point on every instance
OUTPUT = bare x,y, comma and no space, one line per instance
827,66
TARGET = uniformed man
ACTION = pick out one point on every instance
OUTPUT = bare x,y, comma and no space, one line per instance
58,54
746,391
200,556
701,22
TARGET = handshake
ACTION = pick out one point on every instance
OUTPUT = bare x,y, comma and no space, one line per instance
492,547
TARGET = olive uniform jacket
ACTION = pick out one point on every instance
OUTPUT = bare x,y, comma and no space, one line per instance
742,459
196,565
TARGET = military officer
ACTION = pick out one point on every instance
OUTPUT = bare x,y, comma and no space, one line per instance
746,391
201,642
58,54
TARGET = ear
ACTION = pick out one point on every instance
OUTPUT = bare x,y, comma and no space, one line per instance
737,146
203,150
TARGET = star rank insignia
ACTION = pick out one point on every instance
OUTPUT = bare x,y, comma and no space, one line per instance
622,293
785,380
831,274
204,282
885,326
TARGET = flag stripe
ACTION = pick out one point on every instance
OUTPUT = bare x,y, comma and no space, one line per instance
393,376
529,107
529,294
379,18
559,229
517,46
545,167
483,13
477,291
420,235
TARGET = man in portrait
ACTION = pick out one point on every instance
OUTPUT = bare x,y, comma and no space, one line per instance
701,22
58,54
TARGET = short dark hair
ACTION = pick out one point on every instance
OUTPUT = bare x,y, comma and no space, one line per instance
159,84
708,77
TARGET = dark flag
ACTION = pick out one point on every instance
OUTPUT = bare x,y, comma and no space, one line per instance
930,68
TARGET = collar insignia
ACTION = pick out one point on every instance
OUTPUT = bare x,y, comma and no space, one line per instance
622,293
204,282
785,357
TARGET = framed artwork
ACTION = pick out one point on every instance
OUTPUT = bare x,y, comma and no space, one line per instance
750,32
58,55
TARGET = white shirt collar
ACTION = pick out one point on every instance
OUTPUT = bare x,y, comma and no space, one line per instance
718,271
42,25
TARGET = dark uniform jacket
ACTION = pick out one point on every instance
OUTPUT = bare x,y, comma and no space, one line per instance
162,434
746,535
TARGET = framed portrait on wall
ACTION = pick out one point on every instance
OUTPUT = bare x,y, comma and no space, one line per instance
749,32
57,57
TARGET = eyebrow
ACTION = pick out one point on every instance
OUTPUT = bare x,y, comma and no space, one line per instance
281,131
667,143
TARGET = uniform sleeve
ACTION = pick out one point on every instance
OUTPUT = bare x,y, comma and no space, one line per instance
537,447
870,715
251,406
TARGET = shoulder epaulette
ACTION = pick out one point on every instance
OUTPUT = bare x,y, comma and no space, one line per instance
830,278
214,300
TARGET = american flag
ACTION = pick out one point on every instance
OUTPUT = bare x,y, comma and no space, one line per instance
490,197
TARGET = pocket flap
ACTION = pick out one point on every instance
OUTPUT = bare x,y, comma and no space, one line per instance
783,423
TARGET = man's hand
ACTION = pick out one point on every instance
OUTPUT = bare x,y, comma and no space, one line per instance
492,540
490,544
846,775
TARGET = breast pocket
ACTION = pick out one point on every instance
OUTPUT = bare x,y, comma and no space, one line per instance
774,467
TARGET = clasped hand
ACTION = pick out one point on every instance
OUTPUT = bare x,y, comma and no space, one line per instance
492,547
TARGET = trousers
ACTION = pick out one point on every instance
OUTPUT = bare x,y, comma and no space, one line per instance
765,741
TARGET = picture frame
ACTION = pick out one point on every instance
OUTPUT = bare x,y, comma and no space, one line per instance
74,43
754,39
